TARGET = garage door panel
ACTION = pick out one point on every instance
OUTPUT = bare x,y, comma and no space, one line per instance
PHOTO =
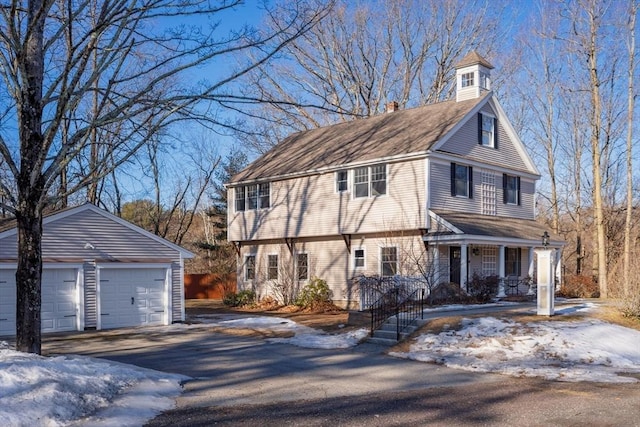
58,301
131,297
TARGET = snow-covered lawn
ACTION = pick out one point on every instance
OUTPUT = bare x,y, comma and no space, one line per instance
56,391
579,350
83,391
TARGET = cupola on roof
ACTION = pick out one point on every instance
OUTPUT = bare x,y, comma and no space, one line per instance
473,58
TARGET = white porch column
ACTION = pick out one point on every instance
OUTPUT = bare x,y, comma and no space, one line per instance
437,274
464,266
558,267
501,293
530,271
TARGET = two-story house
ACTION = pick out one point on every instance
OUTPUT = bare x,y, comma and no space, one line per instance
444,190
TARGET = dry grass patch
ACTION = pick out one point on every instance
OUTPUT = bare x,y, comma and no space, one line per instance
612,314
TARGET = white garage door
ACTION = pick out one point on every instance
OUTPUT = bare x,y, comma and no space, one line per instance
132,297
7,302
59,301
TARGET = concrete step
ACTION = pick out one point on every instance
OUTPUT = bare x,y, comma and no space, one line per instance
382,341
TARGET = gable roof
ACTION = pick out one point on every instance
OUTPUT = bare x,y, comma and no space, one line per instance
56,216
403,132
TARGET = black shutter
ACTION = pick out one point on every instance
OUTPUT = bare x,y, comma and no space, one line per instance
480,128
470,182
518,189
495,133
453,179
504,188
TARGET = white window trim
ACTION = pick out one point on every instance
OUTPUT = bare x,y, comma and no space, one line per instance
246,197
380,258
468,181
278,267
335,181
364,259
244,267
308,267
493,130
463,80
370,194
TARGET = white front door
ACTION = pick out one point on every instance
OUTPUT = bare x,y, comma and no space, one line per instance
132,297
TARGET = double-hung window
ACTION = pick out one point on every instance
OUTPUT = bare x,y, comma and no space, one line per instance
461,181
272,267
467,79
389,261
370,181
253,196
512,261
240,199
342,181
511,189
302,267
358,258
249,267
487,130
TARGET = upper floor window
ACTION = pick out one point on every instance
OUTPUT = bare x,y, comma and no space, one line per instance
389,261
461,180
302,266
342,181
511,189
370,181
272,267
467,79
487,135
249,267
485,83
253,196
240,199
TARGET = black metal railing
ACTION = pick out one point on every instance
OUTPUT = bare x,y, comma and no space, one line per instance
405,309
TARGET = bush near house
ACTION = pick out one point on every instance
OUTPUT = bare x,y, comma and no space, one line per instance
579,286
483,288
240,299
316,294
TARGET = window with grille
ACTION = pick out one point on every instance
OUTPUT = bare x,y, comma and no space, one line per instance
249,267
389,261
370,181
489,261
272,267
302,266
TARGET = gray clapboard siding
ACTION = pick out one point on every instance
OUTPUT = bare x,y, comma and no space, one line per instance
465,143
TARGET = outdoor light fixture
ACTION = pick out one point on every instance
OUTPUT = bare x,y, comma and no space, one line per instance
545,239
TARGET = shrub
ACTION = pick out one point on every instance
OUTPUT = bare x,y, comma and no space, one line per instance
240,299
579,286
316,293
483,289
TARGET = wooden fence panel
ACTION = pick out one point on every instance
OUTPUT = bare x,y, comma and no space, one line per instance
208,286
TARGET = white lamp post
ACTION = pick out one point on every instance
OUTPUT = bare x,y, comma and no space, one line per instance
545,278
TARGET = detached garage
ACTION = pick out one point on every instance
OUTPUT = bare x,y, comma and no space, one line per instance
99,271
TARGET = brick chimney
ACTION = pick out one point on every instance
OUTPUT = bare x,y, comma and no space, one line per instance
392,106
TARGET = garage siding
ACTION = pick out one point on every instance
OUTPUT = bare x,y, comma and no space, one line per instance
90,296
177,288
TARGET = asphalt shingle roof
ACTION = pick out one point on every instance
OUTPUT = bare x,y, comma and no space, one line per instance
401,132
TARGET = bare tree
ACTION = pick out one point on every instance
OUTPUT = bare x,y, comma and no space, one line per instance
363,55
631,48
55,56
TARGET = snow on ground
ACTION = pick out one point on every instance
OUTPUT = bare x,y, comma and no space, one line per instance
304,336
583,350
63,390
83,391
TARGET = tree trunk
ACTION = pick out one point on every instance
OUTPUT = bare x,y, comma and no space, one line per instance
29,276
30,185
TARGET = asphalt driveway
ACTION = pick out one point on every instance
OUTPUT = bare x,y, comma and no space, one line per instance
248,381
